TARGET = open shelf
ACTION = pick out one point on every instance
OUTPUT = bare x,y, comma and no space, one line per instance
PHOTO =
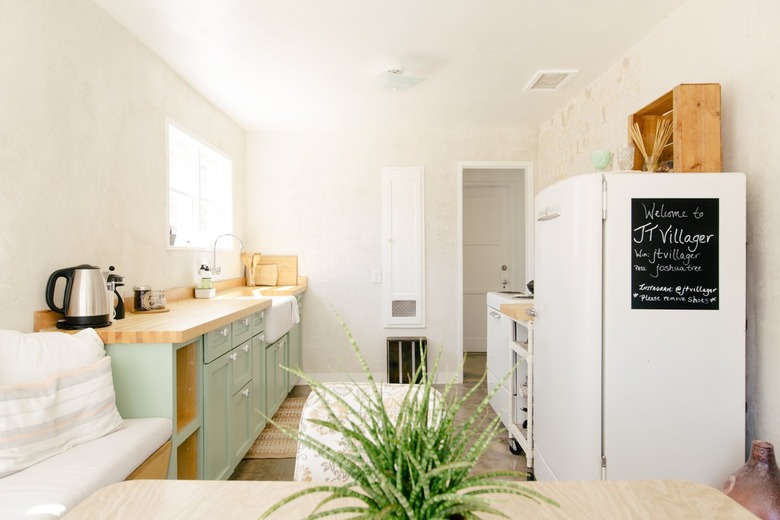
186,386
187,458
694,109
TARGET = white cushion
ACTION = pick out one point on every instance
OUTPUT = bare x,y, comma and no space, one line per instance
26,357
51,488
41,419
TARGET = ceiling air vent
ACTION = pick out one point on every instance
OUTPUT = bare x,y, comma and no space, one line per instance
550,80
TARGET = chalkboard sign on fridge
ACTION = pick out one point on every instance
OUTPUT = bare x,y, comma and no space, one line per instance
674,252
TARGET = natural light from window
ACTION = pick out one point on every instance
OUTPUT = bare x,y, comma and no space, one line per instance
200,189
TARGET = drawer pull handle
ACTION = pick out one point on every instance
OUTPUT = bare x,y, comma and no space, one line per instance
262,314
234,356
223,332
245,392
245,348
262,338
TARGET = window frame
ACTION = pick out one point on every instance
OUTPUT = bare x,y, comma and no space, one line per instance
198,149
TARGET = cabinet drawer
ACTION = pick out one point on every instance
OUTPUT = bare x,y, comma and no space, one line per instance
242,330
241,363
258,322
217,342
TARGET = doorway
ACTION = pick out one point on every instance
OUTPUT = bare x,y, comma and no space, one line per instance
495,240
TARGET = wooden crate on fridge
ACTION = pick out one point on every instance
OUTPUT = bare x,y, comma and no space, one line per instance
694,109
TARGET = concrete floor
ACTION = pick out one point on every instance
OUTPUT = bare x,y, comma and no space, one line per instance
496,457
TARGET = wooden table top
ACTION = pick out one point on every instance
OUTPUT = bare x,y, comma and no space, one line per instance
247,500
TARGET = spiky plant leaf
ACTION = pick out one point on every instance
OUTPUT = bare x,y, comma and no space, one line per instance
416,466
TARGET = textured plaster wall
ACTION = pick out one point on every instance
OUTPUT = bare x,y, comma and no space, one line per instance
318,194
721,41
83,109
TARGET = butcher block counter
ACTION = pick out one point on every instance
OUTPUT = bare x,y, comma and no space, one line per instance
517,311
186,319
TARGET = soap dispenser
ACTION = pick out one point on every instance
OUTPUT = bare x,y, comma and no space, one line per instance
204,288
205,276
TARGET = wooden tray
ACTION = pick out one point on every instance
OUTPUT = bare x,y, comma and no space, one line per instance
150,311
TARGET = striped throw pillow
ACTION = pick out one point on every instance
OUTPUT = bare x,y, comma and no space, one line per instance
41,419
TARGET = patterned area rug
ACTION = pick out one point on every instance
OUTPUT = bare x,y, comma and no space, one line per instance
272,443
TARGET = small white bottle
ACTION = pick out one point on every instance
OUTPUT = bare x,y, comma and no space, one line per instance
205,277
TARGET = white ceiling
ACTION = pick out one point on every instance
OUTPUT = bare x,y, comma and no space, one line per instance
275,64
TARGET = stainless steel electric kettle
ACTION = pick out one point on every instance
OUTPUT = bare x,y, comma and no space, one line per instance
85,301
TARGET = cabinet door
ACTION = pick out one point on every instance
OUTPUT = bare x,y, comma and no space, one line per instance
241,361
258,384
294,354
271,368
218,385
241,423
281,373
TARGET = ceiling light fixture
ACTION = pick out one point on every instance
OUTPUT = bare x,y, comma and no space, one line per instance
394,80
550,80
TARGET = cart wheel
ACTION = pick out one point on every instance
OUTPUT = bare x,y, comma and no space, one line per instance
531,477
514,447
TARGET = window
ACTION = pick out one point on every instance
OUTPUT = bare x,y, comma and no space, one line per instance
200,189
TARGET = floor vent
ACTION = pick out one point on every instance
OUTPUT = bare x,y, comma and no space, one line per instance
403,358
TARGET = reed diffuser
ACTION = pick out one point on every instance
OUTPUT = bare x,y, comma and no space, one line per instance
663,132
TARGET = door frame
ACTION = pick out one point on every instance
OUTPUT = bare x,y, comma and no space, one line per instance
528,177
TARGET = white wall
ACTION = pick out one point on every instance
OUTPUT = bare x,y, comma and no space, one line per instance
317,194
83,108
719,41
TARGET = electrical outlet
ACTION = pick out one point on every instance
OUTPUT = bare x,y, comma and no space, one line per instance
376,276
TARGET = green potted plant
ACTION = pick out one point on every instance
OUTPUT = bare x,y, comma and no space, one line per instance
417,466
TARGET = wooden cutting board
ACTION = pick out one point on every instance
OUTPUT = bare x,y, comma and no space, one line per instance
266,274
286,269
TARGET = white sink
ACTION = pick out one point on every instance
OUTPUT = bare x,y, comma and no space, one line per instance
280,317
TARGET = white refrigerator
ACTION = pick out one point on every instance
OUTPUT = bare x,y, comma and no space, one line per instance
640,327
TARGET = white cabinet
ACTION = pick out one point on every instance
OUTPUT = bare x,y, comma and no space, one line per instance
499,362
510,357
521,423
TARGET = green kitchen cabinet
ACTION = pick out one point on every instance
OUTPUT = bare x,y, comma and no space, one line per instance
218,390
276,357
228,401
164,380
241,417
259,410
295,347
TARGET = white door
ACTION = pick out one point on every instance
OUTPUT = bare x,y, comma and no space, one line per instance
487,258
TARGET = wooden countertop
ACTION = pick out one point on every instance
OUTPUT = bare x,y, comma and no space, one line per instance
188,318
516,311
245,500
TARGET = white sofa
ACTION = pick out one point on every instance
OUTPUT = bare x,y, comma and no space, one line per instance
61,437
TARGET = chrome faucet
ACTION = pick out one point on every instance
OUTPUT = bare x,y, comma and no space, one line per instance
215,269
